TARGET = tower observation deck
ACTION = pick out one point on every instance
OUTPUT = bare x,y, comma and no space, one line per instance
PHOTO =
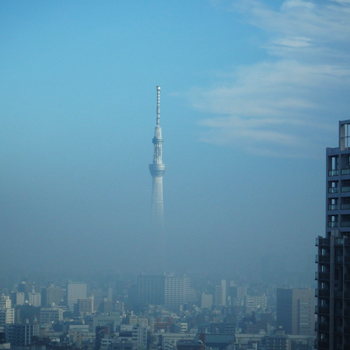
157,169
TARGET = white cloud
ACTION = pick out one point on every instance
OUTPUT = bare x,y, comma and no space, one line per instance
290,104
292,41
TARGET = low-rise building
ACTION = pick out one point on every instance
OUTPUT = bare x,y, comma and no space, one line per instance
21,334
50,315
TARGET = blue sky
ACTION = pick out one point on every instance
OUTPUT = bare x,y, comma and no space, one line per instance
251,96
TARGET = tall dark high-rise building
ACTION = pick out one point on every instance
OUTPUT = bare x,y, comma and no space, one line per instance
333,258
151,290
168,290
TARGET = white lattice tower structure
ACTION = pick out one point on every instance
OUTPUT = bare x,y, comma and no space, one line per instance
157,169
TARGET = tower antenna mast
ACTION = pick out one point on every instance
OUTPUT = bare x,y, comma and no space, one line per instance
158,105
157,169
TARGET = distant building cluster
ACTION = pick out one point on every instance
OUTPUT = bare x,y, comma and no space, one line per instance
156,312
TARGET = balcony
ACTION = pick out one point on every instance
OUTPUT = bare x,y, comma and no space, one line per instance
338,241
338,312
322,276
345,171
322,310
345,224
322,293
322,327
333,190
333,172
338,294
322,242
339,259
344,207
333,224
322,259
345,189
338,329
334,207
323,345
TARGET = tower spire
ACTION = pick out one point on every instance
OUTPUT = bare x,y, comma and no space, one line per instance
158,105
157,169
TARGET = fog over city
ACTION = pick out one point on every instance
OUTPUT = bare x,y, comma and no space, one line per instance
251,95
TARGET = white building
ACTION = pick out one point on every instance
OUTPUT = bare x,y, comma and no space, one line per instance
139,336
112,320
134,334
18,298
106,343
7,313
181,327
176,291
5,302
207,301
50,315
75,291
256,302
34,299
7,316
220,294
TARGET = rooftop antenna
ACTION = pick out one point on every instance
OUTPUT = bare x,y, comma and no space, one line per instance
158,105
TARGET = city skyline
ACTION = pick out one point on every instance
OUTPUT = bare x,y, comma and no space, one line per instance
110,309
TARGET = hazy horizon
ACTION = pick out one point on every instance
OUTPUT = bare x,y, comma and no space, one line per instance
251,96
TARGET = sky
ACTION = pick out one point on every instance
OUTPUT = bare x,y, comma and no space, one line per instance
251,95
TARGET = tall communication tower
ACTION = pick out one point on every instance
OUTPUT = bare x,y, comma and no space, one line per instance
157,169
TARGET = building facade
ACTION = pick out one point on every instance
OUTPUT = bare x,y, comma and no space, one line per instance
258,302
18,298
277,341
150,290
111,321
34,299
220,294
7,313
333,258
50,315
296,311
170,290
75,291
19,335
52,295
207,301
85,306
177,289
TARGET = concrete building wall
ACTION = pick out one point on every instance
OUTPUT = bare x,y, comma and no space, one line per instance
75,291
295,310
176,291
34,299
207,301
150,290
7,316
48,316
